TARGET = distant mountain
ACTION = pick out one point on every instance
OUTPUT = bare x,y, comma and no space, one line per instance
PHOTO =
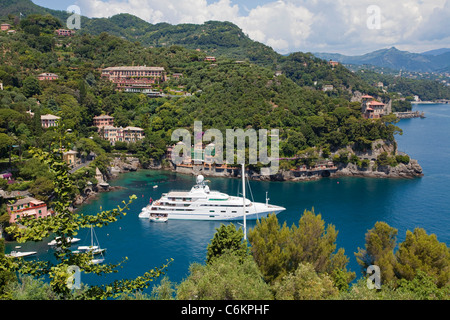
436,52
431,61
213,37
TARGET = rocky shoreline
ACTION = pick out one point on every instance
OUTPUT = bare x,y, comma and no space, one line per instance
117,166
410,170
130,164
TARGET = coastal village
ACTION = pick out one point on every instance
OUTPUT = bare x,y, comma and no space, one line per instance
146,80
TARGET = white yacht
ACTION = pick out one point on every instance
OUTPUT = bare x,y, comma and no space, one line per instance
201,203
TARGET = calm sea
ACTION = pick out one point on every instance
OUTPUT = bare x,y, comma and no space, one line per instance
352,205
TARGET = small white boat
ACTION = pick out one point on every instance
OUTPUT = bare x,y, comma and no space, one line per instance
93,248
97,261
155,217
154,187
86,249
56,241
16,254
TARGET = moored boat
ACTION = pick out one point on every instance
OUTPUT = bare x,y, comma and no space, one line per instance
57,240
201,203
17,254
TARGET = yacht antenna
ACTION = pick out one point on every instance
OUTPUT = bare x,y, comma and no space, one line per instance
243,200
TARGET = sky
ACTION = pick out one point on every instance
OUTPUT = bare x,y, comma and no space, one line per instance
350,27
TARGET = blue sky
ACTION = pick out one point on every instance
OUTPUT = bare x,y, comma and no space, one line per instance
348,27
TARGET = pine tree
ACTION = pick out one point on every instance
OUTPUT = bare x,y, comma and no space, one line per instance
380,245
226,238
423,252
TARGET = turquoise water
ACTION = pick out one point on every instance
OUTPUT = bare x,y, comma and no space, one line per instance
353,205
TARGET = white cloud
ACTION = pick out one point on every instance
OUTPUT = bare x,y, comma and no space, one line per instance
302,25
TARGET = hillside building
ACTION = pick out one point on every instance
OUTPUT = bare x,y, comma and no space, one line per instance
5,26
138,77
103,120
49,120
333,63
27,207
65,32
127,134
372,109
47,76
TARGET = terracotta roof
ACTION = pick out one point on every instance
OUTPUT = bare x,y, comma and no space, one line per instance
103,117
376,103
49,117
134,68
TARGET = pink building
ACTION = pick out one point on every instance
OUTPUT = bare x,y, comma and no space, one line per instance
27,207
5,26
103,120
127,134
333,63
65,32
47,76
49,120
134,77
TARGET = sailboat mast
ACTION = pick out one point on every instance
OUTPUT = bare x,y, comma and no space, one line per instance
243,200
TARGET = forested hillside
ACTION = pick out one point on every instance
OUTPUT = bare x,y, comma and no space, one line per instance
224,94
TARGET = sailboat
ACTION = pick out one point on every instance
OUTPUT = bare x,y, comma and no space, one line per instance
94,248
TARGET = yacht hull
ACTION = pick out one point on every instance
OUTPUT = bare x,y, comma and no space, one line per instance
173,215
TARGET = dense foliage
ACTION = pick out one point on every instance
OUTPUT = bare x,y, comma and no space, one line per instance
228,94
311,268
64,225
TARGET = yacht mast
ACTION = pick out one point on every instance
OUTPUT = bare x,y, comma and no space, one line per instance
243,200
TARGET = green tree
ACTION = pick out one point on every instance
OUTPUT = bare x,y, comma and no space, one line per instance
226,277
7,277
5,144
424,287
42,188
305,284
226,238
268,241
423,252
313,243
31,86
379,250
29,288
279,250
